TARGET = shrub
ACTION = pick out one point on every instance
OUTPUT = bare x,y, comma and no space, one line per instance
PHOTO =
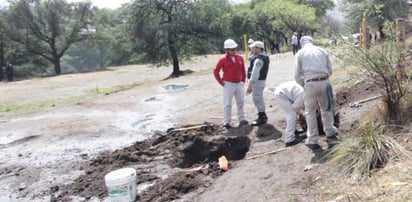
359,156
384,65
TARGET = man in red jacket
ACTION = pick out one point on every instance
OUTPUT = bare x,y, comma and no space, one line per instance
233,81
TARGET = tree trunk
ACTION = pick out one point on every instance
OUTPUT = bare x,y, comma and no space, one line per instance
57,67
1,56
173,52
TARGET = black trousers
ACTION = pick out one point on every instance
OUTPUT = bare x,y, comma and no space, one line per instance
9,72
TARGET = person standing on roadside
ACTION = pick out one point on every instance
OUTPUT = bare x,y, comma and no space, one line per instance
257,73
312,69
295,43
9,71
289,95
233,81
250,42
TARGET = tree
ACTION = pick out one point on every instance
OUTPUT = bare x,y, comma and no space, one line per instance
108,43
377,12
168,29
48,28
277,19
384,66
320,6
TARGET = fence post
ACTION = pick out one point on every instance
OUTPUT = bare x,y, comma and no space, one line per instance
400,40
400,32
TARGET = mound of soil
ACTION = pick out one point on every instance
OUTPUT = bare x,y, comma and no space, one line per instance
190,154
358,91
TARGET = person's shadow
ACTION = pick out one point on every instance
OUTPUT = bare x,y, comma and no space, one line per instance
243,130
321,155
266,132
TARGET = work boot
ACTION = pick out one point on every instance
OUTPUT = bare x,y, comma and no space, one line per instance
262,119
243,122
332,141
297,140
227,126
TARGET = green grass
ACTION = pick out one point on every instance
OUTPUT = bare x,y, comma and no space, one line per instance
360,156
8,107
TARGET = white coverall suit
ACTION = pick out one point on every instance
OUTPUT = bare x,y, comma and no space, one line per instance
289,96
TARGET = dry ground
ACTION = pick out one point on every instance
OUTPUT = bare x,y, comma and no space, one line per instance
65,122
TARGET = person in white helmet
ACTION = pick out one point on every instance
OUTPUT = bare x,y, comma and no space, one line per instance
289,95
232,65
312,69
257,73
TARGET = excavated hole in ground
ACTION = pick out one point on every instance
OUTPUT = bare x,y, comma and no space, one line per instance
163,163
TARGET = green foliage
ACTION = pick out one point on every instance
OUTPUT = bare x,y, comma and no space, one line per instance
377,12
46,28
360,156
165,31
273,21
108,44
320,6
385,66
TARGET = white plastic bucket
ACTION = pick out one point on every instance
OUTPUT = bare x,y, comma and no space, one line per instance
121,185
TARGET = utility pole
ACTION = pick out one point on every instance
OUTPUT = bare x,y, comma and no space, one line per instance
246,47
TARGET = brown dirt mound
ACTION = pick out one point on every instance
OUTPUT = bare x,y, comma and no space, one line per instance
180,149
358,91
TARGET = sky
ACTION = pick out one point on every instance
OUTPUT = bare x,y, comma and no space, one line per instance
99,3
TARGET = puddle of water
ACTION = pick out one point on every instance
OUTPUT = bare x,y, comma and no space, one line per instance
175,86
141,121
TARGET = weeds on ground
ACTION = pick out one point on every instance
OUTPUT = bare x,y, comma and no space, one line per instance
9,107
359,156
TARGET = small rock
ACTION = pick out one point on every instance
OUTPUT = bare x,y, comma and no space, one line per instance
22,186
54,189
307,168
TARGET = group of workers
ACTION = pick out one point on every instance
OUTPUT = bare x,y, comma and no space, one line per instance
308,94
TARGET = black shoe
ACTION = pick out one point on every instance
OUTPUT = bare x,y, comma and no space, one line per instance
299,131
258,122
262,119
243,122
313,146
331,141
297,134
227,125
332,138
297,140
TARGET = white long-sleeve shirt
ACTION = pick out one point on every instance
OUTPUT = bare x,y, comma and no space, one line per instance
311,62
294,40
292,92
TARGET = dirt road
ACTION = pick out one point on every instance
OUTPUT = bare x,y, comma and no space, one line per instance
45,146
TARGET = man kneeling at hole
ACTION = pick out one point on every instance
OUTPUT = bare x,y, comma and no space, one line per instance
289,96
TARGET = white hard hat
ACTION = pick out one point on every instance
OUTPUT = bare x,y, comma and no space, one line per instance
257,44
250,41
230,44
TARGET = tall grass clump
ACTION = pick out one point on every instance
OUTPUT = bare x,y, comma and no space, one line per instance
360,155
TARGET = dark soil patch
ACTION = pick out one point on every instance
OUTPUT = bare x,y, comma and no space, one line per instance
358,91
165,162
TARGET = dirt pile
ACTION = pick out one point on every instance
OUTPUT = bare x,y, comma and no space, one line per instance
170,164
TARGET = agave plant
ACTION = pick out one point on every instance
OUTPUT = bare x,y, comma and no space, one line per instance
359,156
